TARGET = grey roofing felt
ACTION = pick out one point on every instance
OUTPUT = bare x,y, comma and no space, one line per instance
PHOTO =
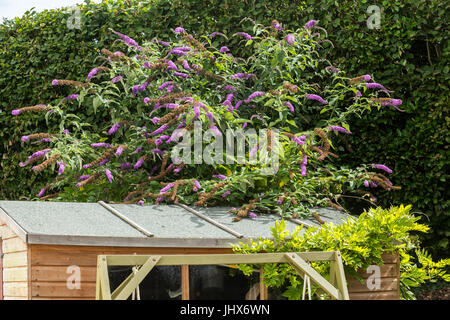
171,222
170,225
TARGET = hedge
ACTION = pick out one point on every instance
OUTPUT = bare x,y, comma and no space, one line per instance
409,50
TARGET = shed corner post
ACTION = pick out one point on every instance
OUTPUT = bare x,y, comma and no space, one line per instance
340,279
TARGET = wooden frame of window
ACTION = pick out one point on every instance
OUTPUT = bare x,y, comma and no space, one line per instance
336,288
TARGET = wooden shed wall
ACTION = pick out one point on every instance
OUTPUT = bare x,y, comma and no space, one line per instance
389,282
49,265
15,265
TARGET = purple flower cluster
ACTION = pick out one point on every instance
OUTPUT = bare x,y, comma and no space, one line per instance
299,140
245,35
101,145
374,85
242,76
254,95
310,24
61,167
139,163
224,49
197,186
219,176
382,167
332,69
92,73
72,97
339,129
290,38
315,97
166,188
290,106
226,194
129,41
179,30
160,130
119,151
180,74
109,175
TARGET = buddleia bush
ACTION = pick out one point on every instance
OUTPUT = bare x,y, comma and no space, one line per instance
155,93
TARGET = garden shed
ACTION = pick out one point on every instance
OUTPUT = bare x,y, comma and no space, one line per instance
49,250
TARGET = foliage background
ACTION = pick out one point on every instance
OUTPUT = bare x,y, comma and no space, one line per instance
408,54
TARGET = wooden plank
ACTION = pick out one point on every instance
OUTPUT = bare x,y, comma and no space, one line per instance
341,281
390,257
59,273
15,289
15,259
63,298
15,274
185,282
60,289
303,268
15,298
386,284
103,279
386,271
53,255
6,232
263,290
14,245
389,295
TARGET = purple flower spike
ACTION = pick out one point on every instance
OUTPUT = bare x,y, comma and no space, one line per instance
146,100
72,97
116,79
290,106
219,176
16,112
55,82
315,97
100,145
226,194
92,73
366,183
382,167
160,130
166,188
298,140
245,35
139,163
41,193
87,166
290,38
197,185
339,129
224,49
238,104
25,138
171,66
254,95
303,170
242,76
179,30
180,74
252,215
119,151
374,85
305,160
367,77
212,35
310,24
109,175
244,125
358,94
141,203
280,201
39,154
61,167
332,69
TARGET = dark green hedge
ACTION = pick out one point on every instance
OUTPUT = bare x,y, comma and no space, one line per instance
408,54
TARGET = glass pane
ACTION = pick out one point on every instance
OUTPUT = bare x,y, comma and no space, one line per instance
162,283
221,283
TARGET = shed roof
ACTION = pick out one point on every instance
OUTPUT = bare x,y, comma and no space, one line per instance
100,224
